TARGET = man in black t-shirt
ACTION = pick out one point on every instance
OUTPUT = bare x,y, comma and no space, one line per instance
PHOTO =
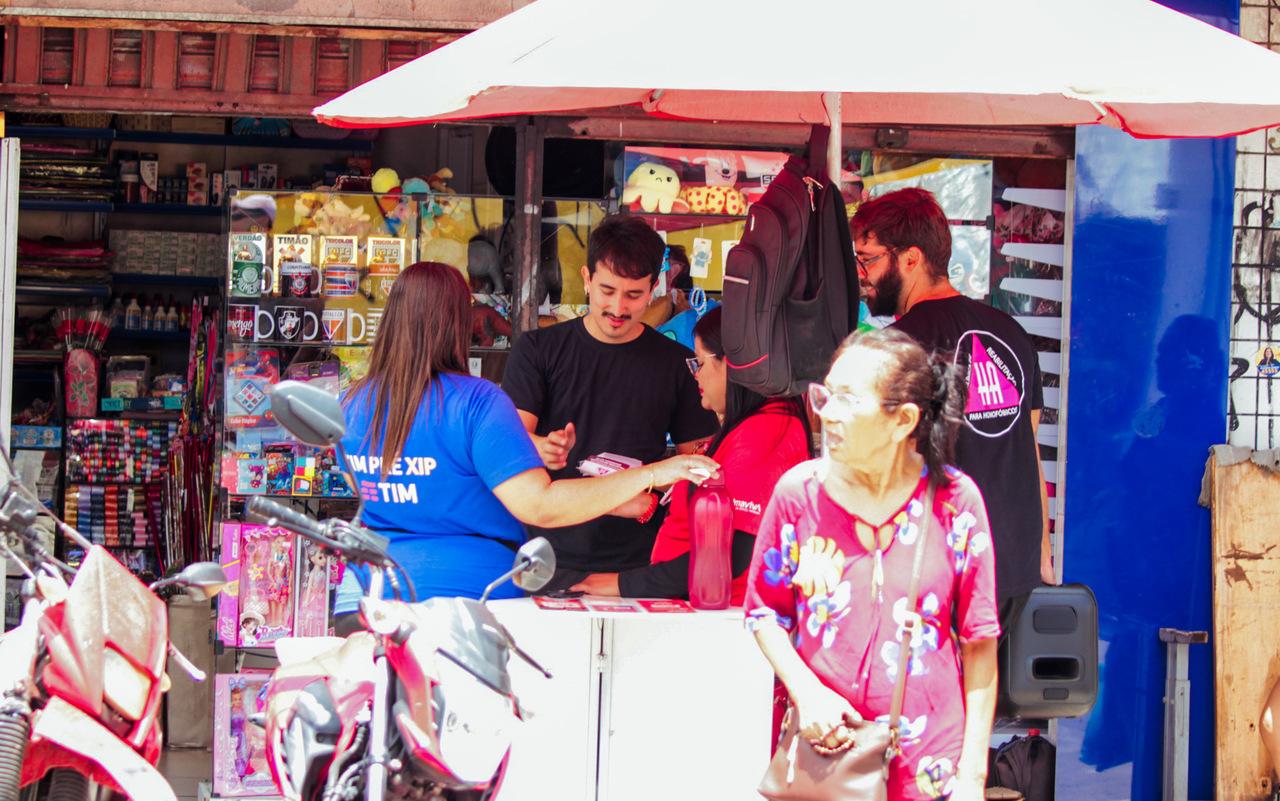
903,248
607,382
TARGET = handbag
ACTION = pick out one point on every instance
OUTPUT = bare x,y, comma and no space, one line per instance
857,770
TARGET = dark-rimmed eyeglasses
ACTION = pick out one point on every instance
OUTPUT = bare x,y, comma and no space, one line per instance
864,265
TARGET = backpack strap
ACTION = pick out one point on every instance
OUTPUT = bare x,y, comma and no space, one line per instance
913,621
817,158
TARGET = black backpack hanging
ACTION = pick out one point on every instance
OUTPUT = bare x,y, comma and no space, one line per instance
790,287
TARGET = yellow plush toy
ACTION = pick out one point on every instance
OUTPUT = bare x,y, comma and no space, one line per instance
654,186
714,199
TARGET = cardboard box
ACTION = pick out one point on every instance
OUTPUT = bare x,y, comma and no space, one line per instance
267,174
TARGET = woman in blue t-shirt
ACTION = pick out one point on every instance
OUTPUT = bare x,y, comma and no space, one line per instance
441,460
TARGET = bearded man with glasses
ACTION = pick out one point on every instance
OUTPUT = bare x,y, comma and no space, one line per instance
902,247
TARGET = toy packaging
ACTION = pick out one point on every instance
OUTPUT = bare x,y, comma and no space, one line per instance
279,469
239,752
229,598
250,371
312,615
266,584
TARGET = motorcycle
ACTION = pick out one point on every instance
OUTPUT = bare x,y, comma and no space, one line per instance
83,673
418,705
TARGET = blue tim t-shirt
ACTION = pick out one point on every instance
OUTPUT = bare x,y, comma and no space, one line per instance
466,440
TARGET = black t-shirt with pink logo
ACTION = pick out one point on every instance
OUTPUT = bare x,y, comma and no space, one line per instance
996,446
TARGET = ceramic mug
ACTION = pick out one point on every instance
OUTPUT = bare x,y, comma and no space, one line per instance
333,326
288,323
241,322
249,279
354,317
309,318
373,320
340,281
299,279
263,331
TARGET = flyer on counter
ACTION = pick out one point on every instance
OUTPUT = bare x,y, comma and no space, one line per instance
665,605
339,249
611,606
559,604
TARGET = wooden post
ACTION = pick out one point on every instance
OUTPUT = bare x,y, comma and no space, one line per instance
832,101
1246,622
527,227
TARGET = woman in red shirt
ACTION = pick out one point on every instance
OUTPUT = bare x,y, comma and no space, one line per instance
759,440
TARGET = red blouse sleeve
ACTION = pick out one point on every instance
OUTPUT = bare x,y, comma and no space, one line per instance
976,611
770,597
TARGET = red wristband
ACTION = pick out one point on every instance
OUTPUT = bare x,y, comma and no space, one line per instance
648,513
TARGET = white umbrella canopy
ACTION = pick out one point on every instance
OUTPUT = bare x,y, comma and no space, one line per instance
1130,64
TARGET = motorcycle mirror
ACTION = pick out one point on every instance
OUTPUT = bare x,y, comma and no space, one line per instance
535,564
309,413
203,580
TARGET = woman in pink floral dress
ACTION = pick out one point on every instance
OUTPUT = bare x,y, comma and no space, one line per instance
827,589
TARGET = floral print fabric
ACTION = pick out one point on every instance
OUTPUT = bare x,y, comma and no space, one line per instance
846,609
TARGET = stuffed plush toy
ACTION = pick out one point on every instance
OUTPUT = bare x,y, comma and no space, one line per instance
483,263
653,186
487,324
438,181
714,200
384,180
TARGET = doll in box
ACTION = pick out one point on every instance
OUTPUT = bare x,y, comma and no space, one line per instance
267,582
279,582
239,753
313,600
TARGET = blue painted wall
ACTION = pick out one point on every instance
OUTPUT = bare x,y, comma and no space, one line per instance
1150,313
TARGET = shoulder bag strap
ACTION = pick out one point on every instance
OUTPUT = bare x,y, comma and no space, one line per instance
913,619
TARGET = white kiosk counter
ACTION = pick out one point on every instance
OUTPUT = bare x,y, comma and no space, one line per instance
648,700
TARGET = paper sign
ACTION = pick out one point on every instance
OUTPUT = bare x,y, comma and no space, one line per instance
665,605
287,248
339,249
700,258
612,606
474,365
560,604
385,255
725,247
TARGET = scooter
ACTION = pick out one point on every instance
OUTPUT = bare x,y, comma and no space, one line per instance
417,706
83,674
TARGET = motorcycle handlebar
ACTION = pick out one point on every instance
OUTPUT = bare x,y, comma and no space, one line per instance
355,543
271,513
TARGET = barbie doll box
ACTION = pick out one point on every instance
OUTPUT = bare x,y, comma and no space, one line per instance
239,745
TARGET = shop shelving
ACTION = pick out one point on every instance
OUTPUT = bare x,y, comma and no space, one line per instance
41,289
132,335
104,207
170,280
166,137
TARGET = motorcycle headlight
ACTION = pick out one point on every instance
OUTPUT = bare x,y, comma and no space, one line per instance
310,738
125,686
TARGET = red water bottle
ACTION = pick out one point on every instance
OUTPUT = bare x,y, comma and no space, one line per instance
711,530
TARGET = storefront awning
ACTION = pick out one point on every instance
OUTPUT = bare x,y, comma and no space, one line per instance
1130,64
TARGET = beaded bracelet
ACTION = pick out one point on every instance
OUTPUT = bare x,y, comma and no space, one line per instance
649,512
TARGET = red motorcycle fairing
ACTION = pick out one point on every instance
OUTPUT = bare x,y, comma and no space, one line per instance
63,736
420,663
106,607
347,673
